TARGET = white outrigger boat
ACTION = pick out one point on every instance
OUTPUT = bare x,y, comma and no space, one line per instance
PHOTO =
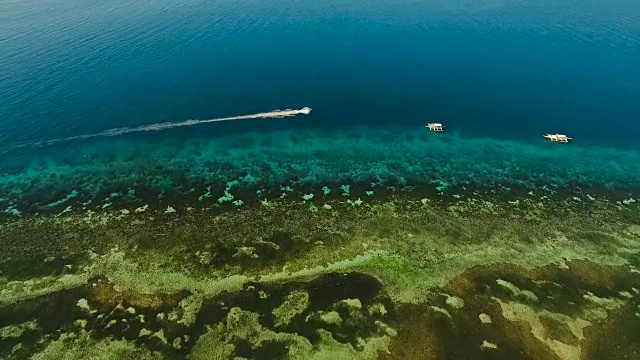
558,138
435,127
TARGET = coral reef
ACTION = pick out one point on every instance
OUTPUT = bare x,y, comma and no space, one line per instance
228,170
482,274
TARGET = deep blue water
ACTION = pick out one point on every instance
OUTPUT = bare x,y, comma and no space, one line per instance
501,68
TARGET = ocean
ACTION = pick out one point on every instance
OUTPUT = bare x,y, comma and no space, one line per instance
510,70
76,76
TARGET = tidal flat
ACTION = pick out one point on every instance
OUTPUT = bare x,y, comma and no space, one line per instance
476,275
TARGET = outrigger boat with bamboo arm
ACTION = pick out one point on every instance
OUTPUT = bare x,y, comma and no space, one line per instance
435,127
557,138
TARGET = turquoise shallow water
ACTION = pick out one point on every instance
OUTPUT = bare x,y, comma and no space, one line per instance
373,73
307,160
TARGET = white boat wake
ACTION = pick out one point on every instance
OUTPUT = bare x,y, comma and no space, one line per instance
169,125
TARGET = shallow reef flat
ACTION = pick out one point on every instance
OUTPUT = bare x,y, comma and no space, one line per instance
474,275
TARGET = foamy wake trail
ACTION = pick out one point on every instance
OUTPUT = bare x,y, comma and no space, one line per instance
169,125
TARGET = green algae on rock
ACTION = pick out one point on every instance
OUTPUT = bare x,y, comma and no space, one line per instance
81,346
294,304
397,278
